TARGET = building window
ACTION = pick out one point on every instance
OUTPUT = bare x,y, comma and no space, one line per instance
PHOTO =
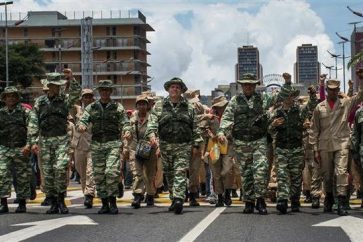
113,30
25,32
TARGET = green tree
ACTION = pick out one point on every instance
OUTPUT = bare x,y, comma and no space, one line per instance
25,62
356,59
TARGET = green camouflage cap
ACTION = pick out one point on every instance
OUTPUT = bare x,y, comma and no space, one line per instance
56,79
8,90
287,91
248,78
105,84
175,80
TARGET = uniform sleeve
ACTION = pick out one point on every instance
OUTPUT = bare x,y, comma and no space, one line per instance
33,125
271,117
85,119
356,134
152,124
228,117
74,93
197,133
355,100
315,128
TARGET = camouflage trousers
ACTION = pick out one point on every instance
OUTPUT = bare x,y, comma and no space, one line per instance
253,166
106,167
54,163
143,174
289,166
13,158
176,159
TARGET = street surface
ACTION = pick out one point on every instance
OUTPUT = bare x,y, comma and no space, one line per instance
204,223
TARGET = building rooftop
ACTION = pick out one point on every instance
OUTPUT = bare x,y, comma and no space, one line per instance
55,18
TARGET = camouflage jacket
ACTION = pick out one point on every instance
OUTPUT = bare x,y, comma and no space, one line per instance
155,115
356,139
69,99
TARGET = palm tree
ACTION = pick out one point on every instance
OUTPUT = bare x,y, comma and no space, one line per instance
356,59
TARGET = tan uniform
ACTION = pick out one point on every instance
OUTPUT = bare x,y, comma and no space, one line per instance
143,171
331,137
82,157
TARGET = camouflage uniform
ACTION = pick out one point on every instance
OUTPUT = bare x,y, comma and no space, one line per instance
357,144
48,128
248,121
13,137
108,123
177,130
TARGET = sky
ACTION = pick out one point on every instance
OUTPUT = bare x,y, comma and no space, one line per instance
197,40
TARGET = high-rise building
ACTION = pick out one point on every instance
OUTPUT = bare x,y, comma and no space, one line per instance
356,41
307,67
248,62
119,48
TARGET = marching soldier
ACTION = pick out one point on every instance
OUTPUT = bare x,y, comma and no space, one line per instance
331,139
109,123
14,149
174,121
245,116
287,127
48,129
82,154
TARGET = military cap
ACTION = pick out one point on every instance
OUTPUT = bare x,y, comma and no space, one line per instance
191,96
87,91
56,79
8,90
141,98
220,101
175,80
248,78
104,84
332,84
287,91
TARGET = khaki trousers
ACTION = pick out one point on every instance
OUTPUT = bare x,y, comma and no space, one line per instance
83,164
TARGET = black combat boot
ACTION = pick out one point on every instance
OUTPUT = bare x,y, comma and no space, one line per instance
342,207
105,206
261,206
234,193
249,207
46,202
178,205
137,201
203,189
227,197
295,204
281,206
120,190
220,201
113,205
53,206
4,205
308,198
21,207
240,194
192,201
149,200
172,206
88,201
315,202
328,203
61,204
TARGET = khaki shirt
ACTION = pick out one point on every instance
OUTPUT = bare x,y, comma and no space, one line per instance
141,128
330,128
81,141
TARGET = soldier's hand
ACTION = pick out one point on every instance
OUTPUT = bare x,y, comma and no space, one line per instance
306,124
317,157
82,128
278,121
35,149
26,150
350,83
127,135
322,79
222,139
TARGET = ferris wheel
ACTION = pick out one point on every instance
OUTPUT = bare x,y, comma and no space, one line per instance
273,82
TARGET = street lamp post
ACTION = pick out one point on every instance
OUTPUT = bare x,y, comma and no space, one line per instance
329,68
6,40
336,63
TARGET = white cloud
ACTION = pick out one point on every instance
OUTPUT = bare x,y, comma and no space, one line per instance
206,53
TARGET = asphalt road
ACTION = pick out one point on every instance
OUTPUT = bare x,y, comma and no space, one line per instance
156,224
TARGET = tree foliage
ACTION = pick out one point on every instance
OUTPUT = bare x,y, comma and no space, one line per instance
355,60
25,62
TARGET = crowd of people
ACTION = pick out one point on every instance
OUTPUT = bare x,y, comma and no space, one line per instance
277,145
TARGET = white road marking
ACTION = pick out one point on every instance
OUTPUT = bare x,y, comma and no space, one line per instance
352,226
40,227
197,230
